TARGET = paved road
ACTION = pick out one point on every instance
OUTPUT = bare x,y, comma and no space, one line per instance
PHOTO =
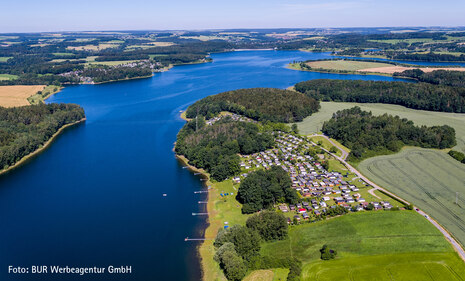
344,153
446,234
458,248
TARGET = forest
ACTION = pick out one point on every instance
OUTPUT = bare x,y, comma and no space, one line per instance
25,129
263,189
420,95
238,247
367,135
437,77
262,104
215,147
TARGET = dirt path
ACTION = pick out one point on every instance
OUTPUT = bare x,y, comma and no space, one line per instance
372,192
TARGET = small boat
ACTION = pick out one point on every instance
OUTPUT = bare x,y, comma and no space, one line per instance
164,194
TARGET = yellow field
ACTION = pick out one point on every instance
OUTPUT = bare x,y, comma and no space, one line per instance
345,65
92,47
11,96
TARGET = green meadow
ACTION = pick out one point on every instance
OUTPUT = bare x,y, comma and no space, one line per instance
4,59
429,179
377,245
7,77
313,123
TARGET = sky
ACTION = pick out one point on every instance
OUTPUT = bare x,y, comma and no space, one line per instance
85,15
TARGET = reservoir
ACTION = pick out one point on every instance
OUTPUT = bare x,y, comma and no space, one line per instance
95,197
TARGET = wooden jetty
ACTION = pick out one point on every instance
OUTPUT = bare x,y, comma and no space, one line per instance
200,214
201,191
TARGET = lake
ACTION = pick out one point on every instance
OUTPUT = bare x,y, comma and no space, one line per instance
95,197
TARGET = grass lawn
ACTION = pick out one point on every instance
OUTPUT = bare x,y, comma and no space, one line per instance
45,93
346,65
427,266
314,123
275,274
381,245
8,77
63,54
4,59
327,145
427,178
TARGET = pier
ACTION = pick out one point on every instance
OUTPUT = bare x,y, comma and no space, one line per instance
200,214
201,191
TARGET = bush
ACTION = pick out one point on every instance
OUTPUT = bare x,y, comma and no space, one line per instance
327,253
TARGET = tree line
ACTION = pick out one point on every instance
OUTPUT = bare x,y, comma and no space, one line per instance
215,148
24,129
421,95
367,135
238,247
261,104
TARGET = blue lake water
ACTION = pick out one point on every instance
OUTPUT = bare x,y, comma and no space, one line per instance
95,197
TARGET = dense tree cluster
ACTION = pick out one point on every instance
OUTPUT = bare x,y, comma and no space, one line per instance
264,188
327,253
215,148
430,57
367,135
258,103
457,155
238,247
437,77
24,129
269,224
106,73
412,95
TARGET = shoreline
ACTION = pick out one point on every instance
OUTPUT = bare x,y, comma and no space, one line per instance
42,148
289,66
204,249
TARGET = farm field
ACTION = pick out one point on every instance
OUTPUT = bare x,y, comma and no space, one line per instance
427,178
7,77
92,47
11,96
381,245
429,266
346,65
4,59
313,123
369,67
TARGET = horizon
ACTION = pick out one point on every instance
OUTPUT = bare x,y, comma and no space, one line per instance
118,15
419,27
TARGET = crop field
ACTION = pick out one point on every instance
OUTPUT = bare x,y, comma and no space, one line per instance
427,178
346,65
377,245
17,95
92,47
7,77
313,123
409,41
4,59
429,266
